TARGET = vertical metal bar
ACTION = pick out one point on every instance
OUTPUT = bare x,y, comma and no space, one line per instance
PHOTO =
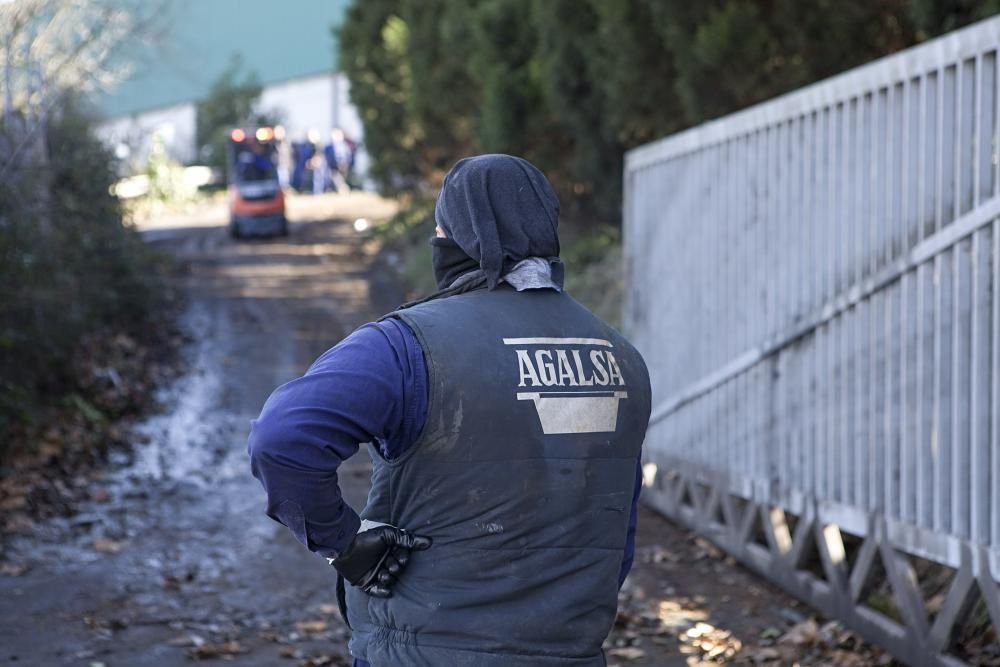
846,266
930,160
980,353
746,261
905,443
907,406
995,111
836,325
853,273
727,240
980,381
995,375
776,238
891,342
952,118
819,236
704,215
994,505
939,220
744,286
879,347
877,431
922,406
811,444
798,221
706,267
922,444
863,191
977,128
926,500
838,282
791,230
754,242
960,391
967,101
960,337
923,130
942,426
857,375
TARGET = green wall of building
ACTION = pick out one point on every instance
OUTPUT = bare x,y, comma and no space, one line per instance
277,40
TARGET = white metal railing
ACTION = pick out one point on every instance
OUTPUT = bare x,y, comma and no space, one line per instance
815,286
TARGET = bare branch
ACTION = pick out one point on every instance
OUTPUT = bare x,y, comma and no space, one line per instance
54,46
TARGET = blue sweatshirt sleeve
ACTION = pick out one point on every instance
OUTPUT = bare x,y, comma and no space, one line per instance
371,387
633,519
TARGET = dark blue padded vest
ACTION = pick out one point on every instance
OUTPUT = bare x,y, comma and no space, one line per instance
523,476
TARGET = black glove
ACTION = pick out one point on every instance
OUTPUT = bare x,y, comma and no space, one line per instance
376,557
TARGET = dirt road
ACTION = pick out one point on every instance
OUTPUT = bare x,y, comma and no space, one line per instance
173,558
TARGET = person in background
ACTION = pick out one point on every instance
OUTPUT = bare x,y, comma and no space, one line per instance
343,150
331,161
304,152
284,155
317,162
505,422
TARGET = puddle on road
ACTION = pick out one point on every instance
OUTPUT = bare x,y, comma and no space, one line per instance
191,441
194,443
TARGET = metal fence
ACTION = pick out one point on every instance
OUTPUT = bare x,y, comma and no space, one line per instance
816,290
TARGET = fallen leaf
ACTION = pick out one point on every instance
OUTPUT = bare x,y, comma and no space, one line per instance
13,503
312,627
843,658
13,569
699,629
760,654
627,653
187,640
105,545
320,661
801,634
220,650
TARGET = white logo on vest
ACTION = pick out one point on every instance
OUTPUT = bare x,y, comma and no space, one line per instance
578,379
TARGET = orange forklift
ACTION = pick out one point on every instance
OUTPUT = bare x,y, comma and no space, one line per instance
256,201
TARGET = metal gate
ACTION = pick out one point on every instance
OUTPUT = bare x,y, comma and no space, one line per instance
815,286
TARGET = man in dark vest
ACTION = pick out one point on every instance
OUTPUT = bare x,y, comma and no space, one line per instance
506,424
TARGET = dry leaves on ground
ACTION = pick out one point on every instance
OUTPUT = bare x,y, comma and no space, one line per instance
311,627
13,569
225,650
105,545
808,642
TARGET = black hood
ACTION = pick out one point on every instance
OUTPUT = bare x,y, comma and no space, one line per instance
499,209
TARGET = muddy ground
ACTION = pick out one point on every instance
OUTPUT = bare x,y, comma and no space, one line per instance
171,558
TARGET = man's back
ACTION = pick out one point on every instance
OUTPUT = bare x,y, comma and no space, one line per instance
523,477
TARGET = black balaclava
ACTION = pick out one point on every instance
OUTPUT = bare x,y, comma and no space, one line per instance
496,210
449,261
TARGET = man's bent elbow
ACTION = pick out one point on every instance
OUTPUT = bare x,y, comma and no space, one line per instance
262,445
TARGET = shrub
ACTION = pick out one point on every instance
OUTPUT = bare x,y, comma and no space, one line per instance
69,268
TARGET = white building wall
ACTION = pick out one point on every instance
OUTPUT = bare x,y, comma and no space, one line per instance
318,103
133,135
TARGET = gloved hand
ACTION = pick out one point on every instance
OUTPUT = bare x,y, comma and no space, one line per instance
376,557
